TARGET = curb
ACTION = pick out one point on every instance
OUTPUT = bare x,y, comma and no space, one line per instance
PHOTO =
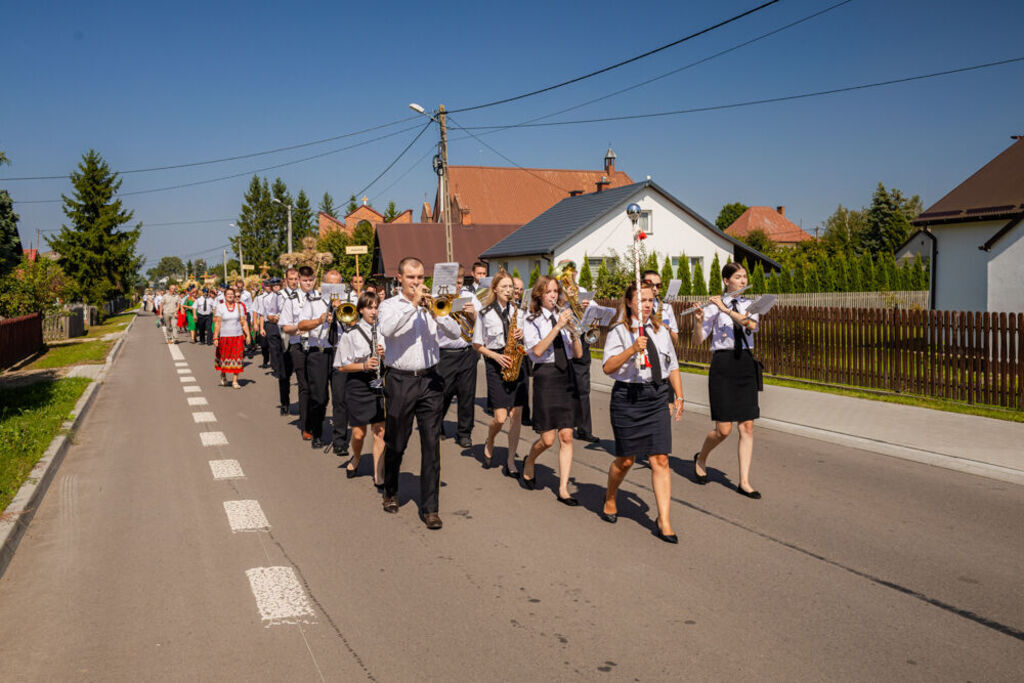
949,462
22,508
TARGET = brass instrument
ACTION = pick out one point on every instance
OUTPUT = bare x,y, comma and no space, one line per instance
571,291
513,349
440,306
346,313
465,324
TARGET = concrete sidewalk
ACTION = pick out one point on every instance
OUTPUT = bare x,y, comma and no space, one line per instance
966,443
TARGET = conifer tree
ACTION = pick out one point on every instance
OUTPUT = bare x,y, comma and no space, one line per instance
279,191
303,223
799,285
586,279
855,280
891,272
842,272
515,273
700,285
683,273
919,277
604,279
867,273
93,251
715,277
352,205
814,281
535,274
760,286
327,205
666,275
260,225
10,241
785,278
883,274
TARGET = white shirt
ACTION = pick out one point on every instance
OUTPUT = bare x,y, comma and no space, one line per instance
351,296
313,306
230,321
169,304
621,338
668,315
411,333
246,298
536,329
353,347
219,299
272,304
490,328
204,305
719,326
291,314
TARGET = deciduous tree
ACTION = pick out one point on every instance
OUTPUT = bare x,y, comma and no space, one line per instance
729,213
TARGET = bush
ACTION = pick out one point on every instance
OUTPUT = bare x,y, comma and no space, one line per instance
36,286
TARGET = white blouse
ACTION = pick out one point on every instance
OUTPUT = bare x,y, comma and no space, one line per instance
353,347
539,327
490,328
230,320
313,306
719,326
621,338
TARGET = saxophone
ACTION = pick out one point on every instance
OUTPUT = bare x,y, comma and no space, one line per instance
513,349
566,278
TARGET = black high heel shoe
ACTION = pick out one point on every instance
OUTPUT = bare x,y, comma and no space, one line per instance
753,495
668,538
529,483
699,478
509,473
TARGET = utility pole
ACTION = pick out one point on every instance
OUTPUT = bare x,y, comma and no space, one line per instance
446,204
225,257
290,229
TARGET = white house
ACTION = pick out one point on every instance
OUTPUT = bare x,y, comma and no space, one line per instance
595,225
974,239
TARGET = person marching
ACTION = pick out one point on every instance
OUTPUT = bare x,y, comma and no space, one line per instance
490,339
733,379
550,345
204,318
190,313
169,304
315,321
355,290
285,368
230,330
412,386
259,320
363,393
298,342
640,422
662,309
338,380
457,367
517,301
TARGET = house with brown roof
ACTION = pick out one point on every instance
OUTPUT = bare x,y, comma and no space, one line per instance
974,239
772,222
328,223
425,241
499,195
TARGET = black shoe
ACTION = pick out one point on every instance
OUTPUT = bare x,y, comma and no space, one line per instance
464,441
509,473
390,504
570,501
754,495
699,478
341,451
265,366
668,538
316,443
610,518
584,436
350,474
530,483
432,520
527,422
283,409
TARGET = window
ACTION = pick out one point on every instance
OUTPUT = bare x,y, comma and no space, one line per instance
594,263
675,262
694,260
536,266
646,223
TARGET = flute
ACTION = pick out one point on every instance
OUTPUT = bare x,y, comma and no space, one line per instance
731,295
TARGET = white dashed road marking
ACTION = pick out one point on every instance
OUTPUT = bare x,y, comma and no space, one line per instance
226,469
188,378
191,388
279,596
245,515
213,438
176,353
180,364
204,417
184,371
197,401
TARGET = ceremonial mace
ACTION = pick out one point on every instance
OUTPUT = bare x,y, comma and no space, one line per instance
633,211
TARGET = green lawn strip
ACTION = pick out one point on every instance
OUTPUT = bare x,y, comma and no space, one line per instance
30,416
72,354
994,412
121,319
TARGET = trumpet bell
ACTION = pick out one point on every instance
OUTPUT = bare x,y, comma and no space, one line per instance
441,307
346,313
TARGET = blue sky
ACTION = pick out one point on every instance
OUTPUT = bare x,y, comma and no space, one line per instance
149,84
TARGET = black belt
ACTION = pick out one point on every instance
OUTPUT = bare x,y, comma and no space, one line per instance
413,373
466,348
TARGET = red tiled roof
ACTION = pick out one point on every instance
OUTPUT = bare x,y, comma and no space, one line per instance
502,195
30,254
779,229
425,241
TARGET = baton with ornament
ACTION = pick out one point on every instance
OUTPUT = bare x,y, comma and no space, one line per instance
633,212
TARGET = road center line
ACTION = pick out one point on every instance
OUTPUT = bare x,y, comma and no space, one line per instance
176,353
226,469
245,515
184,371
186,379
204,417
279,596
213,439
191,388
197,401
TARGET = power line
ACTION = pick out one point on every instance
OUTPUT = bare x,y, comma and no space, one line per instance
231,158
612,67
400,155
209,220
749,103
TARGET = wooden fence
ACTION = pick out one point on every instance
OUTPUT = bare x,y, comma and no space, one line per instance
907,299
971,357
60,325
20,338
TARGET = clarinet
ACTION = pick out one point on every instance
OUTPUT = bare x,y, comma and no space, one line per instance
377,382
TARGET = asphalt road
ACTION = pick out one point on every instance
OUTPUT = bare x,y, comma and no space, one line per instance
854,566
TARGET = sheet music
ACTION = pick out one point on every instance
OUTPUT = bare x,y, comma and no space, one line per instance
445,278
582,296
673,289
762,305
596,314
486,281
460,303
332,292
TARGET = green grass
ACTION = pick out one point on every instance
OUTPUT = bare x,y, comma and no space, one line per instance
994,412
115,323
121,319
72,354
30,416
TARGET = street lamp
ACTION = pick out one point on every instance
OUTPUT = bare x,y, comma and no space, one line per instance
441,167
289,206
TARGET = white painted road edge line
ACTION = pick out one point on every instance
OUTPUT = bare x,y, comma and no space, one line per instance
204,417
279,596
226,469
197,401
213,438
245,515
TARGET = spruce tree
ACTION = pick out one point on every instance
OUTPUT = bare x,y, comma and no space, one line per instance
715,277
666,275
515,273
586,279
785,278
700,285
279,191
327,205
919,277
10,241
352,205
799,278
93,251
303,220
683,273
535,274
260,224
759,284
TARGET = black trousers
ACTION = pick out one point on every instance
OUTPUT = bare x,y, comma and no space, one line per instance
204,334
582,372
407,396
457,368
339,408
318,377
265,342
280,361
298,357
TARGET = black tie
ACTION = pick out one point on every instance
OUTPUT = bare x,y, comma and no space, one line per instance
503,314
737,332
652,355
561,360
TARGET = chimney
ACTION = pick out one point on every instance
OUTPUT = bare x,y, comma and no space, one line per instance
609,163
781,210
575,193
602,182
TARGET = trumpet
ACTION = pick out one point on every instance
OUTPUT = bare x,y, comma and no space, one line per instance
729,295
440,306
346,313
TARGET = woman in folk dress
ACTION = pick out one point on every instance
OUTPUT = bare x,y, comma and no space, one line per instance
230,330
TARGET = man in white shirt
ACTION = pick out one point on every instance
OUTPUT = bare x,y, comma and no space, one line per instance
457,367
298,342
412,387
258,306
355,289
316,318
169,304
286,368
204,317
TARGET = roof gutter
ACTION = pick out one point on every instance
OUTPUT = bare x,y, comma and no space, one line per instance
932,266
1002,231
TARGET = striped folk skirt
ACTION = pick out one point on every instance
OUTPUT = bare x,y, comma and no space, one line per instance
228,355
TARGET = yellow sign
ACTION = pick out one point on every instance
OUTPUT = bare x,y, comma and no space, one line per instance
358,249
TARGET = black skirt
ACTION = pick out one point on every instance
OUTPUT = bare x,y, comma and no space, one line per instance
502,394
641,421
365,405
732,387
555,398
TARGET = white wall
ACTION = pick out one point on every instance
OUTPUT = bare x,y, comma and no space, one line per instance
961,269
1005,285
674,231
